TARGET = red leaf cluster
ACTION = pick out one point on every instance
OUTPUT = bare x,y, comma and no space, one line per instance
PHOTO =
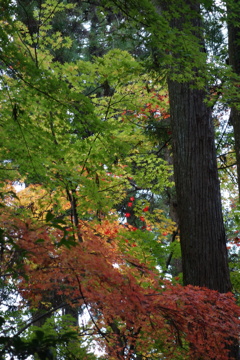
131,308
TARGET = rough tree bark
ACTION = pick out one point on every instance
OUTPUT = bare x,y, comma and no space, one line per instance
202,234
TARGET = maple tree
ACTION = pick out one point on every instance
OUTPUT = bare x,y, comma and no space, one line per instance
87,235
125,298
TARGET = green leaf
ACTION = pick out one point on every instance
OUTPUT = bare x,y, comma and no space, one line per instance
49,216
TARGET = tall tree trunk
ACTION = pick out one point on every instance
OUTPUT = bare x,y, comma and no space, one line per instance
233,9
202,234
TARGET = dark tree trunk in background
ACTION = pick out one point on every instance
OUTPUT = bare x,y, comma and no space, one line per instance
233,8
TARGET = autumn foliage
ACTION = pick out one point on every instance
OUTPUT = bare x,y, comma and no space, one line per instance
131,309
